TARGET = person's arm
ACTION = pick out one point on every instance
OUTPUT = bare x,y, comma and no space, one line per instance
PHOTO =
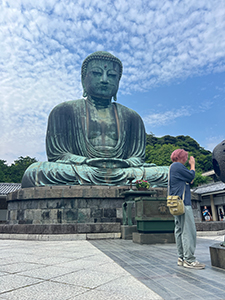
182,173
192,165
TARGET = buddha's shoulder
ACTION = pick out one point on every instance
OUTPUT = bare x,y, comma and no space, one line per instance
69,104
126,109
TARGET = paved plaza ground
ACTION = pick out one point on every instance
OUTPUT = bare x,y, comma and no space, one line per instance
111,269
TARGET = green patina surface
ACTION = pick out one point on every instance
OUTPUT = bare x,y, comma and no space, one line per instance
152,215
94,140
155,226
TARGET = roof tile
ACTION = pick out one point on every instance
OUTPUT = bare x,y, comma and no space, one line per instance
6,188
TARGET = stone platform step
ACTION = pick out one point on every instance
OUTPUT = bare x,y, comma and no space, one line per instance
60,237
77,228
210,226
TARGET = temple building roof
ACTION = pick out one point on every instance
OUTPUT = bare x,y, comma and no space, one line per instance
6,188
211,188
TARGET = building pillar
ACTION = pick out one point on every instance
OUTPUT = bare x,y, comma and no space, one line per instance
213,208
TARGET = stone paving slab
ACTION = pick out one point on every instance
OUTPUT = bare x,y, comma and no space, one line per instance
46,290
64,270
105,269
156,267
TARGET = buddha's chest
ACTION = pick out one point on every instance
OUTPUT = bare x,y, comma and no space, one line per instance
102,127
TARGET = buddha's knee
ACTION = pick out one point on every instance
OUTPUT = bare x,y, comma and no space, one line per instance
29,176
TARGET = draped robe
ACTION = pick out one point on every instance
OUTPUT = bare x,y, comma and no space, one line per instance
69,149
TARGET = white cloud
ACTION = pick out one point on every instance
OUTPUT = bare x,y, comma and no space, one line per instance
168,117
206,105
43,44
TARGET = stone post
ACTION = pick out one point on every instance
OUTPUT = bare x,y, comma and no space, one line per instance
213,208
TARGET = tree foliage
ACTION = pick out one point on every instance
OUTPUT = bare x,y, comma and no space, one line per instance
15,171
158,151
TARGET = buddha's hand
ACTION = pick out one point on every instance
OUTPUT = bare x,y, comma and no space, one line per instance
135,162
110,163
69,158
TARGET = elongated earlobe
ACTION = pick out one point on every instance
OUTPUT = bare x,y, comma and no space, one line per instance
84,94
115,98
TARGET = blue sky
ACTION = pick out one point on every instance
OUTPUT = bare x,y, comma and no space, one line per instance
173,53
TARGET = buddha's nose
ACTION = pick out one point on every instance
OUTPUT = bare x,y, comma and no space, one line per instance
104,78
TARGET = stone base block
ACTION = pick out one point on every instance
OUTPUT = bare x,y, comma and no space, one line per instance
60,237
127,231
156,226
101,236
211,233
217,254
65,205
79,228
210,226
153,238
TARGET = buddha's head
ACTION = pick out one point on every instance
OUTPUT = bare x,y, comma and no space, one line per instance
101,72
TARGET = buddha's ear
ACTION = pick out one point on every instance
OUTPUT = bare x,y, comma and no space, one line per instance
84,89
84,94
115,97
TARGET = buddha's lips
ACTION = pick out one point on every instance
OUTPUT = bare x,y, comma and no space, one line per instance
105,88
105,85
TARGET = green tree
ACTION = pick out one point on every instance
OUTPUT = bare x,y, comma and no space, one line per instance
199,180
14,173
159,154
151,139
158,151
3,170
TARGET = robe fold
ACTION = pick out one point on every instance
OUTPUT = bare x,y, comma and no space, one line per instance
68,149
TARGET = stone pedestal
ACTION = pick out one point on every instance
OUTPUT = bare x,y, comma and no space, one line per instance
155,224
152,214
153,238
144,215
127,231
217,254
65,209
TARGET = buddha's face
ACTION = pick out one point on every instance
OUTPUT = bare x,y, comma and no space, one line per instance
102,79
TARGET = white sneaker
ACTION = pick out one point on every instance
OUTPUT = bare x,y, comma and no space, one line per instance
194,265
180,261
